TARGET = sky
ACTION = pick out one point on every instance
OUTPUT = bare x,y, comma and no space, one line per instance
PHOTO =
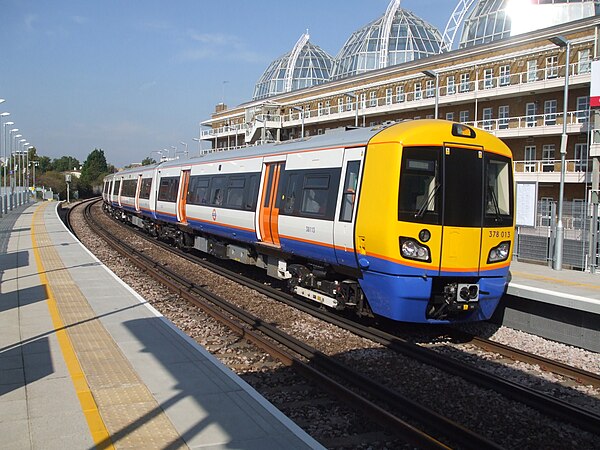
134,77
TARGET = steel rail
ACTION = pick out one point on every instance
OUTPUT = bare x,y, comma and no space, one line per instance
316,359
550,406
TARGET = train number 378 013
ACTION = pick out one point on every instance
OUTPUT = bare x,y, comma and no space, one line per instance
499,234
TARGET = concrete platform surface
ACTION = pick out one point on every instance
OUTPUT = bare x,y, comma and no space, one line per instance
85,362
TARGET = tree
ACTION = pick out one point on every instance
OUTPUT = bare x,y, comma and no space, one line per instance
147,161
65,164
45,164
94,170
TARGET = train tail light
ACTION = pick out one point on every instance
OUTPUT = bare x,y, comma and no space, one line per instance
499,253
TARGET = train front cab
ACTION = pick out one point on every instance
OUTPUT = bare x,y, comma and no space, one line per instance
437,247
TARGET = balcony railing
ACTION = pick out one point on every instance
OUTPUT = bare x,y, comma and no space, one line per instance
460,91
573,166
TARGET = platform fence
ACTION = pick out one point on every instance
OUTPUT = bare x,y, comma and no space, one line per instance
581,246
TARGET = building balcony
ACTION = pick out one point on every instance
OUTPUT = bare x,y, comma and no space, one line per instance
548,171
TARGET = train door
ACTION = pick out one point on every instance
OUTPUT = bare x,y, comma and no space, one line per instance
268,216
463,208
343,227
137,193
184,182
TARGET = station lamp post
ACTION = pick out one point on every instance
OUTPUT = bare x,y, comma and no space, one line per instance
21,174
433,74
13,149
560,230
199,141
6,162
3,209
186,148
301,110
355,98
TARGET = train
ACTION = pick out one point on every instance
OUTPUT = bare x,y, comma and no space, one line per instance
411,221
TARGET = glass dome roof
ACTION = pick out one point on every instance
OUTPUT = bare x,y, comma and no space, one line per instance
396,37
491,20
306,65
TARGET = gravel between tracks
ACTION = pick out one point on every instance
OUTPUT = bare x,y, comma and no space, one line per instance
507,423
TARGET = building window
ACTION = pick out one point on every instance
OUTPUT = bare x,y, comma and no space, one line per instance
429,88
583,109
529,158
464,82
340,105
363,100
450,86
320,108
504,75
450,116
373,98
550,112
464,116
418,92
531,70
388,96
503,117
581,157
327,107
488,78
349,103
551,66
487,118
584,63
399,94
530,118
548,157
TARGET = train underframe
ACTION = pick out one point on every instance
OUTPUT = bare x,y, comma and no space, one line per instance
307,279
451,299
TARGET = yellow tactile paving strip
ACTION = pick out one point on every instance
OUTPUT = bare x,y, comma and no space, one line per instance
119,408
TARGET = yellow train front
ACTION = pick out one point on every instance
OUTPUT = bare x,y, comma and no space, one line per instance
435,222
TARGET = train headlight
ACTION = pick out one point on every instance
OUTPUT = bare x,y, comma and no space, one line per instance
411,249
499,252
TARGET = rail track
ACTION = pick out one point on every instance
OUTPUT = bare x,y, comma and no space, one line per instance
333,375
315,359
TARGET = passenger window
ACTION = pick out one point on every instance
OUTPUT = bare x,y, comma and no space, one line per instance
235,192
314,194
349,194
217,188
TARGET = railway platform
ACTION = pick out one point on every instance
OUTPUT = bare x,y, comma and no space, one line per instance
561,305
85,362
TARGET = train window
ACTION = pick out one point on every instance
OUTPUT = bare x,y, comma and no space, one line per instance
235,192
198,190
129,188
167,191
349,194
146,188
252,192
314,194
116,187
463,187
291,192
217,190
499,191
420,196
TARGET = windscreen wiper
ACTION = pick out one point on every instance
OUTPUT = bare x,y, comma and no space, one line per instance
423,207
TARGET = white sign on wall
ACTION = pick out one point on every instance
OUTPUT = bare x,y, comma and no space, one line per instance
526,203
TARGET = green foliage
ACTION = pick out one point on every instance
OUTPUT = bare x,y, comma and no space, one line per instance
148,161
56,181
65,164
94,170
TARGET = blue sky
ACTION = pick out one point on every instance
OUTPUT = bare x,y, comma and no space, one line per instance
134,77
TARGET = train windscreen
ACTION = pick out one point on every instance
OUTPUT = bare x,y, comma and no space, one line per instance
455,186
